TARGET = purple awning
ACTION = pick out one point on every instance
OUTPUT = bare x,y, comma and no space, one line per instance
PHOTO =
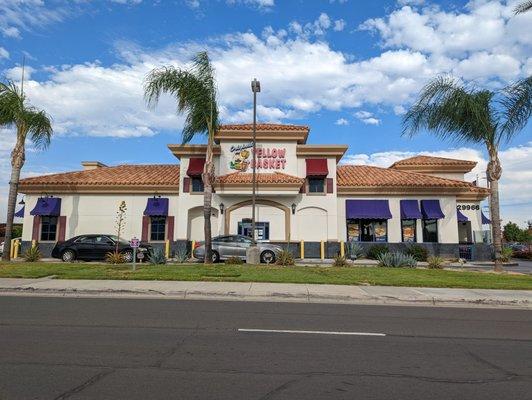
461,217
367,209
47,206
410,209
157,206
431,209
485,220
20,213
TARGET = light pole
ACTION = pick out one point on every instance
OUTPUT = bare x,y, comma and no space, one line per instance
255,88
252,253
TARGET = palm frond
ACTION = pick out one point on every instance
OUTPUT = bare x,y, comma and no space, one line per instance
516,107
39,126
11,103
523,7
451,111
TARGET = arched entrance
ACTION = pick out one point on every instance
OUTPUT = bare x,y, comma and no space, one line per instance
279,215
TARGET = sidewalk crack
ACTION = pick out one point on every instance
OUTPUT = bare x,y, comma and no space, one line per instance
91,381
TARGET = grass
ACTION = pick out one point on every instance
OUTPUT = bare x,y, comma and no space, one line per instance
276,274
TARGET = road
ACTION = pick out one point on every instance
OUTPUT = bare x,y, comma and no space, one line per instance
68,348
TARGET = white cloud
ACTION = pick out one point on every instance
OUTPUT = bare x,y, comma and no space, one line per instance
515,185
342,121
255,3
367,118
3,53
339,25
411,2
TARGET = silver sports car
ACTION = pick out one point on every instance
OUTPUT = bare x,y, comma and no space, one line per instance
227,246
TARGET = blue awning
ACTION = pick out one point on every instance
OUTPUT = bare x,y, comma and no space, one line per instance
485,220
410,209
20,213
157,206
431,209
47,206
367,209
461,217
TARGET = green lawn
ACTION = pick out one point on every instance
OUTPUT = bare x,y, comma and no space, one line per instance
245,273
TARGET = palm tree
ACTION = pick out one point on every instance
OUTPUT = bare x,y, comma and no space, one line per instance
523,7
28,121
468,114
195,92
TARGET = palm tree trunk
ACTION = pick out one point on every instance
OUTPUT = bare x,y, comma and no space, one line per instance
17,161
494,172
208,180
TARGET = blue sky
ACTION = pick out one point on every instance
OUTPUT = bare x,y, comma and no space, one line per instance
346,68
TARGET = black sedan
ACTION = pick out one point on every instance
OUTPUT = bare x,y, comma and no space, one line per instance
95,247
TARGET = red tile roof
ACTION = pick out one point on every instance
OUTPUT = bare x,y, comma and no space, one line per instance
121,175
432,161
264,127
262,178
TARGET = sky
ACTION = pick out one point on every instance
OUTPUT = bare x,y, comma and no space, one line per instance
347,68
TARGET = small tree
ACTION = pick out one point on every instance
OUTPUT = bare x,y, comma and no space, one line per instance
512,233
120,222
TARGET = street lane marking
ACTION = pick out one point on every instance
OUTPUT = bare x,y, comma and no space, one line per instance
312,332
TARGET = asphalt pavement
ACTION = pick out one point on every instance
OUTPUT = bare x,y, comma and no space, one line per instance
83,348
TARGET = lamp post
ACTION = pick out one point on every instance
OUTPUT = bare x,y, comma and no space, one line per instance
252,252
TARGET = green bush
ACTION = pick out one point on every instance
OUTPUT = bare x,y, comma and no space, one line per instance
157,257
114,257
376,250
506,254
417,251
234,261
182,255
435,262
396,260
33,254
354,250
285,258
340,261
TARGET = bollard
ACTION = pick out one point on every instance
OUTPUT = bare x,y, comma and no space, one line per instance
12,248
193,246
342,249
33,244
302,249
16,249
322,249
167,249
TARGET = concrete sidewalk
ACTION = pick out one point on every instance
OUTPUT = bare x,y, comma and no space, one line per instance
276,292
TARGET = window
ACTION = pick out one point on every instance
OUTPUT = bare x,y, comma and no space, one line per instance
197,185
48,228
158,229
316,185
367,230
430,230
408,230
262,230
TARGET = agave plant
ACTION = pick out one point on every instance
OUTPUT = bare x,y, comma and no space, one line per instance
33,254
114,257
435,262
182,255
396,260
285,258
157,257
354,250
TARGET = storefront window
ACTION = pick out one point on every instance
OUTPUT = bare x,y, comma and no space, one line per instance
158,229
262,229
316,185
430,230
48,228
408,230
197,185
367,230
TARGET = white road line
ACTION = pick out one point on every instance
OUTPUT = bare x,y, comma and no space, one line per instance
313,332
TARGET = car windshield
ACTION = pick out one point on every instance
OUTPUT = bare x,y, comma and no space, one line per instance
121,240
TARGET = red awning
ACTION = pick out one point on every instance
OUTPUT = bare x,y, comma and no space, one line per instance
195,166
317,167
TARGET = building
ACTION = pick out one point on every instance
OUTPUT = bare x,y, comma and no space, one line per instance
304,194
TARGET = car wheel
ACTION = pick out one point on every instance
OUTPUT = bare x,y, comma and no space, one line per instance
128,256
215,257
68,256
267,257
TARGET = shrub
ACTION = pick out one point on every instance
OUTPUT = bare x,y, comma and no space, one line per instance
354,250
417,251
506,254
340,261
157,257
182,255
435,262
376,250
33,254
396,260
114,257
234,261
285,258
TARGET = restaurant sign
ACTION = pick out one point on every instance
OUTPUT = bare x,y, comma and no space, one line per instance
268,158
